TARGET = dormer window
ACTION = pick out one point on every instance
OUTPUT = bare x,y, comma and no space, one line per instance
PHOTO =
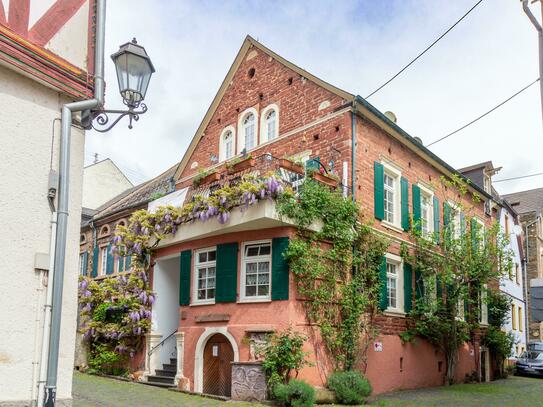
487,184
249,131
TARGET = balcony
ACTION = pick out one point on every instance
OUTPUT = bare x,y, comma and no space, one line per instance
261,215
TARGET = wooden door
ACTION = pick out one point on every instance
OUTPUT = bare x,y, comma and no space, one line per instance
218,355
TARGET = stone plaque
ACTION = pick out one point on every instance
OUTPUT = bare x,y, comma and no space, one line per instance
212,318
248,382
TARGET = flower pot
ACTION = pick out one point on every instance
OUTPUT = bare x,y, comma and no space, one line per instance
242,165
331,182
209,178
291,166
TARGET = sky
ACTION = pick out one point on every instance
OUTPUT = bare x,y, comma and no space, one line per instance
355,45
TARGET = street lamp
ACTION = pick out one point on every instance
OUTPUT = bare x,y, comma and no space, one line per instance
134,70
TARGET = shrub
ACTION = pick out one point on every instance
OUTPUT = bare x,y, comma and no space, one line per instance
350,387
296,393
103,360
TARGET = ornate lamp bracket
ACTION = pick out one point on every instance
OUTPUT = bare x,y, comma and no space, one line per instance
99,119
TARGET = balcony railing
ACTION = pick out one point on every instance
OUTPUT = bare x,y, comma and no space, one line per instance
291,174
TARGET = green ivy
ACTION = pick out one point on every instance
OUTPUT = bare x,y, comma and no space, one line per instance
336,269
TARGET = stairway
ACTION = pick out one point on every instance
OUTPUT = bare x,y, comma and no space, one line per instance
164,377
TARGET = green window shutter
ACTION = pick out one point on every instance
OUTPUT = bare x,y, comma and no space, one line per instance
109,263
404,185
407,287
416,207
128,263
279,280
436,219
447,220
185,268
383,296
95,262
227,272
85,263
379,190
312,164
419,285
462,223
474,226
120,263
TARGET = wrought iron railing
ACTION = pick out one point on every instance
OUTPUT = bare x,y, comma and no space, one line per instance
161,343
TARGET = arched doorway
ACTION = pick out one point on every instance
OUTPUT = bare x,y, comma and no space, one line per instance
217,370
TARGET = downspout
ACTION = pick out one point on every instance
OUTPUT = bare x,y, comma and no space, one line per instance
63,201
525,275
353,149
539,29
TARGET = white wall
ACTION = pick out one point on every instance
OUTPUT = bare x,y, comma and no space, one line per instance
165,318
101,182
27,110
510,287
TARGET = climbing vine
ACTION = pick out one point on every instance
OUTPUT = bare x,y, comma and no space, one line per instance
452,280
336,268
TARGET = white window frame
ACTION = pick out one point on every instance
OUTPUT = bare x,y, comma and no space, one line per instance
481,230
195,278
398,262
222,143
244,261
396,174
241,129
264,123
81,257
102,261
484,306
455,219
460,309
428,193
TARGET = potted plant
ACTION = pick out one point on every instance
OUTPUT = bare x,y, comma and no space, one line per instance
206,177
240,164
291,165
329,179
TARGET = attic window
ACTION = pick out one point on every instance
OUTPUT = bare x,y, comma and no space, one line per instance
251,73
104,231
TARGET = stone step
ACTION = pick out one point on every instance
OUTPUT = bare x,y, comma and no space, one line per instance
165,372
160,379
173,361
172,367
157,384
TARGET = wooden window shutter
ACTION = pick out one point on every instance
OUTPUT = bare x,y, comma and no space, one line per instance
379,190
227,272
439,289
185,268
95,262
436,219
416,207
474,226
407,287
120,260
128,263
279,280
462,223
404,186
85,263
109,263
419,285
383,294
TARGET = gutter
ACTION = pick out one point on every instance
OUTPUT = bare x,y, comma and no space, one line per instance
63,203
374,113
353,150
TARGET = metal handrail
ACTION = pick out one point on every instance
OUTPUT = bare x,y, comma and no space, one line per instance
161,343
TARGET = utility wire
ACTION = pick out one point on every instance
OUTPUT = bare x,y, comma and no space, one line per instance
519,177
423,52
484,114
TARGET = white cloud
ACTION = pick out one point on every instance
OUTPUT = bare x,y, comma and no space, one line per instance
354,45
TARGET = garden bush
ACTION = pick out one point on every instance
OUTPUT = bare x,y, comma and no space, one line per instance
350,387
296,393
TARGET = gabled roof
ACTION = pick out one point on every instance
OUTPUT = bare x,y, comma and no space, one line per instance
245,47
138,195
526,201
360,105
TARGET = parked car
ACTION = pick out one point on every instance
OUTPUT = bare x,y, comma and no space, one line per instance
530,363
535,346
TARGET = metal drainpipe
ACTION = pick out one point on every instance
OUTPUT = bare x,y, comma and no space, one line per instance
63,201
353,150
539,29
525,276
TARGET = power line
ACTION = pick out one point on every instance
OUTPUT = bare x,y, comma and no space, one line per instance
423,52
519,177
484,114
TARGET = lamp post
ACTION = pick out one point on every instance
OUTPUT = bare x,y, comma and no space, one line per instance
134,70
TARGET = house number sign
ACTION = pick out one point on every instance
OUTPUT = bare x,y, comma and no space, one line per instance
215,350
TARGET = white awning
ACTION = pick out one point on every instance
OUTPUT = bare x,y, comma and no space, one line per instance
175,198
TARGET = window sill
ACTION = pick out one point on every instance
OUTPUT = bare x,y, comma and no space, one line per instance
255,300
392,226
199,303
394,313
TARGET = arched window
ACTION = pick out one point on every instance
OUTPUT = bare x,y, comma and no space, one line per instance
249,131
269,123
104,231
226,143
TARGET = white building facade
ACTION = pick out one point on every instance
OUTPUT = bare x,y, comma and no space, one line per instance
103,181
512,283
45,61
